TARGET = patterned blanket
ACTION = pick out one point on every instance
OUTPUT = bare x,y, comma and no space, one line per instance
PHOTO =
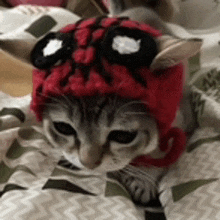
36,183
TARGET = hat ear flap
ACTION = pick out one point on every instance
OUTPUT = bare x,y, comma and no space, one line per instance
174,50
52,50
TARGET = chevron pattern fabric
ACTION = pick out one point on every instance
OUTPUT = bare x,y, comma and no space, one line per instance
190,190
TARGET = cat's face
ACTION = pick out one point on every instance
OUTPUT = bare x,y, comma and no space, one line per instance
100,133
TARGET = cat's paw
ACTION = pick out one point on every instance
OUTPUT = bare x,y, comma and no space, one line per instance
141,190
141,184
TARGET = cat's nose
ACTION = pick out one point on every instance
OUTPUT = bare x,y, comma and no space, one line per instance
90,157
92,165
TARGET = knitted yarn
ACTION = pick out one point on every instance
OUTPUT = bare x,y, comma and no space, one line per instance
102,56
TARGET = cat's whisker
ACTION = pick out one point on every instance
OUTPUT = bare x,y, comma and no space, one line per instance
51,104
47,96
66,98
130,169
54,99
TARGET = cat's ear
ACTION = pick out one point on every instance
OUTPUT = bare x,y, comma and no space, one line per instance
174,50
116,7
144,10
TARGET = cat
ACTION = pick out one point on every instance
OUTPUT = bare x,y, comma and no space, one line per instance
105,134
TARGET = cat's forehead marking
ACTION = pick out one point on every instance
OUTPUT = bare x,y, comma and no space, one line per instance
96,104
98,108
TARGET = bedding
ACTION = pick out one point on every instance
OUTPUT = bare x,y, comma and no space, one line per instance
37,183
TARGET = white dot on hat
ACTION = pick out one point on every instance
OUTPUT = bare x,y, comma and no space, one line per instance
52,47
126,45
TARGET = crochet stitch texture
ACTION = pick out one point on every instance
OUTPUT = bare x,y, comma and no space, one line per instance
87,65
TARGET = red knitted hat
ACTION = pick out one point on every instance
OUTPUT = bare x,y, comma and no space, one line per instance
110,56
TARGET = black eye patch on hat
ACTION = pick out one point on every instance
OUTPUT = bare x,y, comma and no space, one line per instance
129,47
52,50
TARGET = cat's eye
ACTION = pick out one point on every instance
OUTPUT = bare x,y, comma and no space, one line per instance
122,137
64,128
